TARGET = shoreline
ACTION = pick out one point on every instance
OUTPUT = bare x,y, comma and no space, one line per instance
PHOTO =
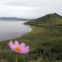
38,41
16,38
15,34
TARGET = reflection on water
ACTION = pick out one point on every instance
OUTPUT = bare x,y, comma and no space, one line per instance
12,29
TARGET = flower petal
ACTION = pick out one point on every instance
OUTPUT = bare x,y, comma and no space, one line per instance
11,45
22,45
27,50
16,43
24,50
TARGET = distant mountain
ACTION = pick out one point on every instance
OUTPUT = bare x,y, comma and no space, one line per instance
12,19
49,19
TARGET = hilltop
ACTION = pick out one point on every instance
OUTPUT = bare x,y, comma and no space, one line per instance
49,19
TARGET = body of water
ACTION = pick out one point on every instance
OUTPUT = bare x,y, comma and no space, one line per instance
12,29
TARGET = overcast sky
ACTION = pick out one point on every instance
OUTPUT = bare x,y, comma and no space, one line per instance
29,8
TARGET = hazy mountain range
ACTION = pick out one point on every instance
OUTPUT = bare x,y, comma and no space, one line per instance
13,19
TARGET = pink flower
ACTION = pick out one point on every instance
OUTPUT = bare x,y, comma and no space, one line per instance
19,48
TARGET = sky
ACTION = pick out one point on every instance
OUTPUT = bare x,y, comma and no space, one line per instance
29,9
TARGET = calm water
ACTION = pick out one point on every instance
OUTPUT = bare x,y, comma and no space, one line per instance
12,29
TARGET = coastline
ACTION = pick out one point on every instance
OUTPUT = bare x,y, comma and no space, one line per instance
16,37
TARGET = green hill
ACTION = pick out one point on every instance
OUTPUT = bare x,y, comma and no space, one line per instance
49,19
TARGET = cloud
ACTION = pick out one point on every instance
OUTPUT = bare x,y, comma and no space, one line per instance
29,8
32,2
15,11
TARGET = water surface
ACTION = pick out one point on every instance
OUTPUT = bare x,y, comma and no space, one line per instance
12,29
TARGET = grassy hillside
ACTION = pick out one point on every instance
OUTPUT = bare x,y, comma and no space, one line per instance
45,42
46,38
50,19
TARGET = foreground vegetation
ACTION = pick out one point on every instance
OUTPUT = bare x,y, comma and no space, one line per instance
45,44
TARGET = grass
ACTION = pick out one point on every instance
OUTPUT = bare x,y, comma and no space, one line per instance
45,45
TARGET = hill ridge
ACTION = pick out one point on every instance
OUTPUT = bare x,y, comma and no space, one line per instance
49,19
